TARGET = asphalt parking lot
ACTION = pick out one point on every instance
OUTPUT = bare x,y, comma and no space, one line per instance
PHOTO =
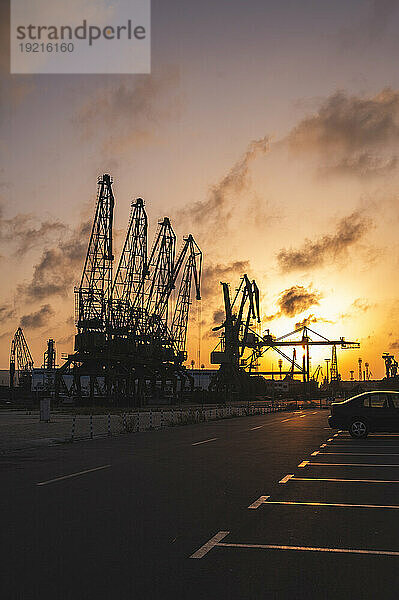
270,506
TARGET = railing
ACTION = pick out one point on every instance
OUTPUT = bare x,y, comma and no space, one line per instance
90,426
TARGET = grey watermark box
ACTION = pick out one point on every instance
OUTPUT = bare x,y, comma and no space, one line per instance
80,36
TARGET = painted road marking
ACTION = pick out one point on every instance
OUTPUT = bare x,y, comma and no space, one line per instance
310,549
210,544
73,475
312,464
258,502
284,420
317,452
302,416
286,478
347,480
334,504
258,427
204,442
330,440
323,446
358,454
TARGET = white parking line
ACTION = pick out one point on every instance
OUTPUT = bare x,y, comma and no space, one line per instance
357,454
309,549
258,502
73,475
286,478
333,479
312,464
331,504
204,442
210,544
317,452
258,427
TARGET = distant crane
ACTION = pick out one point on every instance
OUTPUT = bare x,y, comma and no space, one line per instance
236,336
317,373
391,365
21,361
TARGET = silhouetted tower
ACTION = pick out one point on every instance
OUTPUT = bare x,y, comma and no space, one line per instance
366,366
160,274
351,374
21,360
328,360
192,270
334,364
131,272
280,366
49,357
93,297
360,368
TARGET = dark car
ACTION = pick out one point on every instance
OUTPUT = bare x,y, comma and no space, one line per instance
365,413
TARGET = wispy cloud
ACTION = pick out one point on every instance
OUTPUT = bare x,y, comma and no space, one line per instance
314,253
37,319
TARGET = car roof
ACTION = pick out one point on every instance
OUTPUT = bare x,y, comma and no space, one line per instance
373,392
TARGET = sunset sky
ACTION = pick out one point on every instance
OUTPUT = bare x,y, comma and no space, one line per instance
267,129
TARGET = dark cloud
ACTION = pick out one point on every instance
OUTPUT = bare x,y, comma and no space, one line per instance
352,135
25,231
313,254
130,110
294,301
59,267
37,319
311,320
362,165
218,316
212,215
297,299
6,313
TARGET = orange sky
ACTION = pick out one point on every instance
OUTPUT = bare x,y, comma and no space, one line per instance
270,131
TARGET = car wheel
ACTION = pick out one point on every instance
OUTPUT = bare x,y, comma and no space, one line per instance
359,429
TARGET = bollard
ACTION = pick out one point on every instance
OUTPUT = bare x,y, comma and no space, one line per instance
91,427
73,428
109,424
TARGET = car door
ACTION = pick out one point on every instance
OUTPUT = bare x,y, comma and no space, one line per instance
378,412
394,411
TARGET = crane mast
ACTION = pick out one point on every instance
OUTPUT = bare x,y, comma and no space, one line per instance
94,293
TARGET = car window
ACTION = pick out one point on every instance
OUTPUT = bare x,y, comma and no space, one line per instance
378,400
395,400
